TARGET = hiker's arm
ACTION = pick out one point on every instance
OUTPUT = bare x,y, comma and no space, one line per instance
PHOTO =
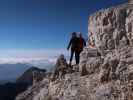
69,44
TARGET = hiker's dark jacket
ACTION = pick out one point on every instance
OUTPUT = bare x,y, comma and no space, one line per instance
74,44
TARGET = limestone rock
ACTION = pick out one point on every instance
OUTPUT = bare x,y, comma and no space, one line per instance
61,67
89,61
110,27
130,1
111,80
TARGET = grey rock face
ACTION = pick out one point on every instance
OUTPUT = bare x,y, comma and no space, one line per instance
61,67
111,80
111,28
34,90
130,1
89,61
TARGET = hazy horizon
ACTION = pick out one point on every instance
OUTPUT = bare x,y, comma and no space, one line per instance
18,56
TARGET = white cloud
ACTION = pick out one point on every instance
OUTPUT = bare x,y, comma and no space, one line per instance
30,56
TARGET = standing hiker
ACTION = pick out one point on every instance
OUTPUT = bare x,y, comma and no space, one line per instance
81,45
82,42
74,47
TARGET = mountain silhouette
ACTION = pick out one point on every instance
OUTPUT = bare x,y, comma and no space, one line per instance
10,90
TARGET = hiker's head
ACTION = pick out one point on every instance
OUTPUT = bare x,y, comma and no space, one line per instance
74,34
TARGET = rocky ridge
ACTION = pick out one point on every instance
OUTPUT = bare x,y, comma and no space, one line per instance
108,76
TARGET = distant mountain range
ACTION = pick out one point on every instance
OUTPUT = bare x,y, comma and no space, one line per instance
27,76
10,90
10,72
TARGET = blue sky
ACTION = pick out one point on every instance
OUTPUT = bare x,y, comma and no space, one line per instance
45,24
39,30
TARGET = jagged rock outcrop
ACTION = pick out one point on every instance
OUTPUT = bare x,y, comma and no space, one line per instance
111,28
61,67
111,80
130,1
105,71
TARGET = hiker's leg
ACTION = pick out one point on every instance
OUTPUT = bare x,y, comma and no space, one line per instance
72,52
77,57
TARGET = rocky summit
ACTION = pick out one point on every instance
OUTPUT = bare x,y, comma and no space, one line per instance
105,71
